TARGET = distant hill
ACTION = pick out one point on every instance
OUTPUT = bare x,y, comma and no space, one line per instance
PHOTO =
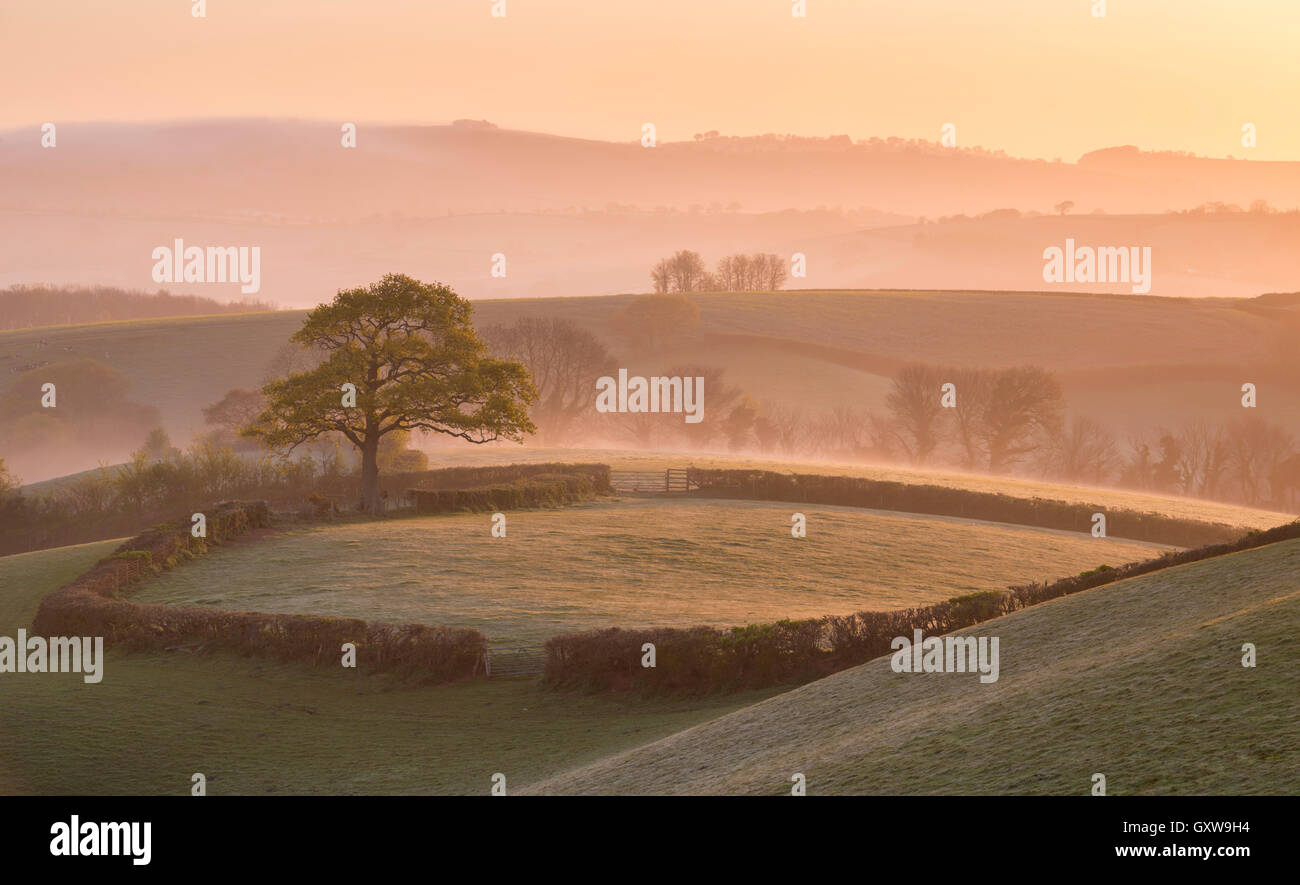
1140,680
582,217
274,168
24,307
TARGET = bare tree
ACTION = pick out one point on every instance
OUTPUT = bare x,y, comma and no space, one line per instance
1284,482
973,388
1024,403
564,361
759,272
1203,458
733,272
915,411
1139,470
770,271
791,428
686,271
720,398
1081,450
236,410
1255,448
846,432
661,276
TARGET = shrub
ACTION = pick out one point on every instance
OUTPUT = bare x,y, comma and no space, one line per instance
541,490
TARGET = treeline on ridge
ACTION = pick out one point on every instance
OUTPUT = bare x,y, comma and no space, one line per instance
27,306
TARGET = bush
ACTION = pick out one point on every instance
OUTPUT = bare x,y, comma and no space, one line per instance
541,490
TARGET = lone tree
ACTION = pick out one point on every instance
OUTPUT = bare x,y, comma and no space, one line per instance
411,354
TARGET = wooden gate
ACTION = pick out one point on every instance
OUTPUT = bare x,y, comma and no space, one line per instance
514,660
673,479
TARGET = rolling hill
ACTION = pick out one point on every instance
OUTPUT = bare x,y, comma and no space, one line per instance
1132,363
1141,681
580,217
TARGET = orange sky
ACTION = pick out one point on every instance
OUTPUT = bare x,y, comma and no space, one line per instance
1038,78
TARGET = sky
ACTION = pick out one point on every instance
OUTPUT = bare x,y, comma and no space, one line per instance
1036,78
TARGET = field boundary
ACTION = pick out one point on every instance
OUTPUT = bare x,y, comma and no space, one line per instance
932,500
699,659
537,490
93,604
706,659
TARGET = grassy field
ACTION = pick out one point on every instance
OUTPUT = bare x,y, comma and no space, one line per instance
1185,508
633,563
809,349
257,728
1139,680
1056,330
179,364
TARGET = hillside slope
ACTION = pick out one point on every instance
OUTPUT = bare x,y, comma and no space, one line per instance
1140,680
855,335
1132,363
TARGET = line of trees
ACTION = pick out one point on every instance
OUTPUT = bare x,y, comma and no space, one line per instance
1010,420
1013,420
991,418
26,306
685,271
999,421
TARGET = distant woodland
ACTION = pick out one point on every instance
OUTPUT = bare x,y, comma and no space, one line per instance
23,307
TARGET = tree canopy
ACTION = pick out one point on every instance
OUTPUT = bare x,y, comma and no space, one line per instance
398,355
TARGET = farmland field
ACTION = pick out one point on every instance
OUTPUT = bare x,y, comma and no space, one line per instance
1081,676
632,563
1141,680
256,727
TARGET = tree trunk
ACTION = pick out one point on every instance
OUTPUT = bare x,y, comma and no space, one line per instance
370,475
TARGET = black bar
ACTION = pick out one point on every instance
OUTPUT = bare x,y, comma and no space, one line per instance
658,838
